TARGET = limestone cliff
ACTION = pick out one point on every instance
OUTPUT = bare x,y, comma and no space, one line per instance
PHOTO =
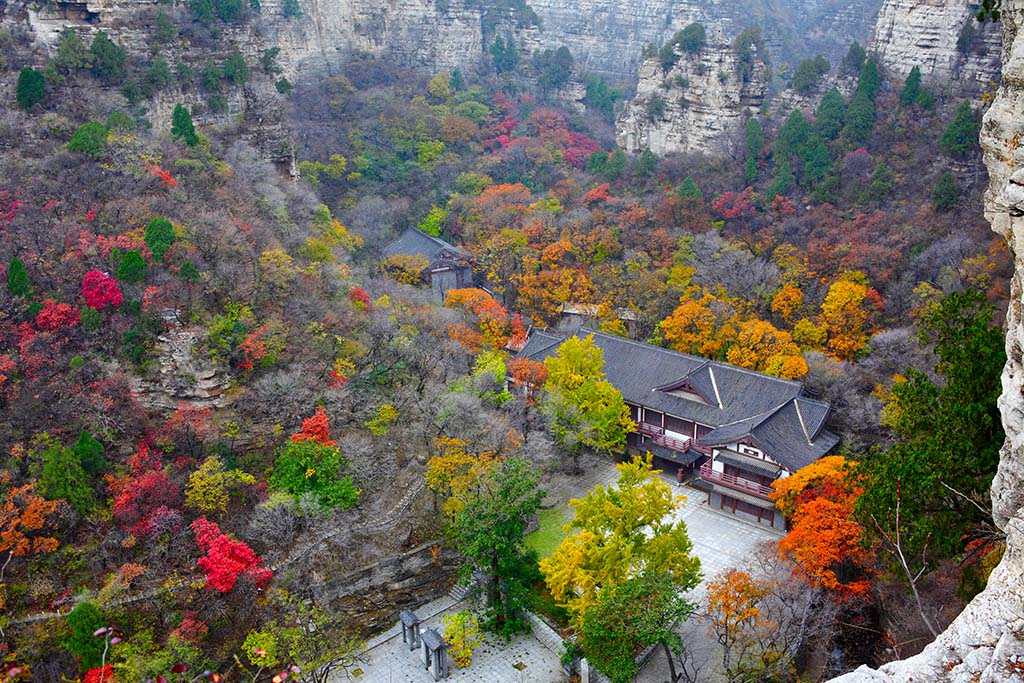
607,36
942,38
700,104
986,642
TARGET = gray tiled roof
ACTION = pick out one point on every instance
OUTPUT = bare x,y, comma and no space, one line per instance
740,403
413,242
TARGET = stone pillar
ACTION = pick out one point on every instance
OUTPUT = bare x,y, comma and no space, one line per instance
584,671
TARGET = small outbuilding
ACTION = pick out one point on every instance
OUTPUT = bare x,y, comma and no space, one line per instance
447,266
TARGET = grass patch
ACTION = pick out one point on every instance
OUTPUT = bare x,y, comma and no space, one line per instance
549,532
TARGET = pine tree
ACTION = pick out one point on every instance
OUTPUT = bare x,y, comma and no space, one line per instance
18,283
860,120
90,454
132,269
159,237
31,88
911,88
945,193
961,135
853,62
291,8
72,56
108,59
90,139
182,127
870,80
62,476
828,120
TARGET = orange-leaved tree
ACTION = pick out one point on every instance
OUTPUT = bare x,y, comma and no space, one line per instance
824,540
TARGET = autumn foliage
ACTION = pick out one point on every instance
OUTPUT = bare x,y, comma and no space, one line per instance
226,559
100,290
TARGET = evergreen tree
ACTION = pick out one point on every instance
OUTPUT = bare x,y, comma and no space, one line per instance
807,74
783,182
159,75
108,59
853,62
689,190
616,165
860,120
646,163
754,138
164,29
159,237
72,55
791,137
945,193
62,476
828,120
90,139
90,453
505,55
815,160
291,8
182,127
961,135
870,80
912,87
235,69
31,88
882,180
81,623
692,38
18,283
132,269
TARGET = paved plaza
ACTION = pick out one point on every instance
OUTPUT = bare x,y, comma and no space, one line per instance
720,541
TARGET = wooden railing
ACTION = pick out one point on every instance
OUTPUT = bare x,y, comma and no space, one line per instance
657,435
732,481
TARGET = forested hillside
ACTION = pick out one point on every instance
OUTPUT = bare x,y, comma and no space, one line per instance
218,400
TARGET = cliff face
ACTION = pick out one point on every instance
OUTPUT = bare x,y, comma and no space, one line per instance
986,642
607,36
705,103
942,38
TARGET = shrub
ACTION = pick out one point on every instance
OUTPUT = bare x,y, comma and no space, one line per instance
90,139
310,466
31,88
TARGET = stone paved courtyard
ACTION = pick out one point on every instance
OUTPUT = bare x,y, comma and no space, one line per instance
720,540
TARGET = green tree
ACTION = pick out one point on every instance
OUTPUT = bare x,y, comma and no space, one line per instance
164,29
308,466
489,531
31,88
754,138
235,69
159,75
62,476
911,87
646,163
182,127
291,8
132,269
945,193
159,237
881,182
433,222
791,136
783,182
90,454
807,74
582,408
860,120
619,533
854,60
870,80
625,620
948,434
600,97
81,623
18,282
616,165
828,120
90,139
692,38
961,135
555,68
505,54
72,56
656,106
689,190
108,58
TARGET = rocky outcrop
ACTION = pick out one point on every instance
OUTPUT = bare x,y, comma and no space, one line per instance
942,38
699,105
986,642
182,375
607,36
